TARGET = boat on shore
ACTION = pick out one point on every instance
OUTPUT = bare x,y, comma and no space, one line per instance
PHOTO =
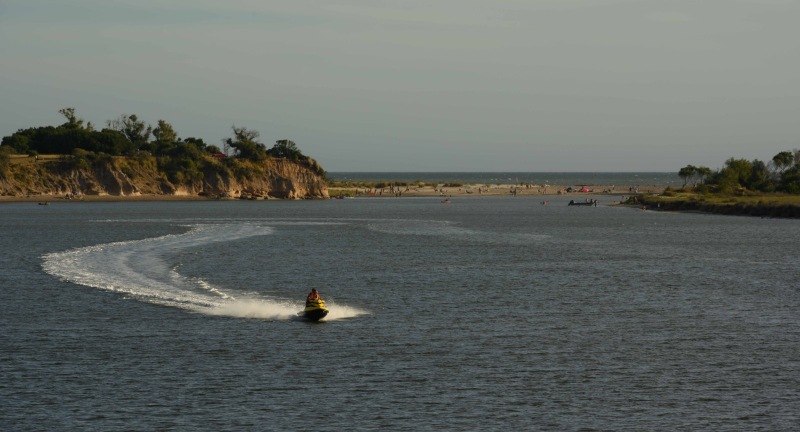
315,310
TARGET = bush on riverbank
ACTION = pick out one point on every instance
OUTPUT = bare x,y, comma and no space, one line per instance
781,174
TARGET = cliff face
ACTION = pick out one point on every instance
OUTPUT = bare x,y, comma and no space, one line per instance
274,178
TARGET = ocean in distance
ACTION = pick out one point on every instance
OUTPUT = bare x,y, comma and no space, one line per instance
538,178
490,313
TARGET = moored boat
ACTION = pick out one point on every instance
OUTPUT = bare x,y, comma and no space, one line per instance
585,203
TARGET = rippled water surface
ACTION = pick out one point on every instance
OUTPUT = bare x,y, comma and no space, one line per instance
489,313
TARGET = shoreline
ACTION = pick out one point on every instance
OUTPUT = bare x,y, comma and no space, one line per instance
101,198
386,192
491,190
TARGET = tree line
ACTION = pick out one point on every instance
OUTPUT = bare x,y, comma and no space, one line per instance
781,174
127,135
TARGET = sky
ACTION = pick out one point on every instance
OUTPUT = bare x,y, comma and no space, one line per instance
423,85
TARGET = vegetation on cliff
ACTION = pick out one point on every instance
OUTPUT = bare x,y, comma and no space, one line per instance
138,158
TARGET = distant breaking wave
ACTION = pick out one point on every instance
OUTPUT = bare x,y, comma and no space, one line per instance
539,178
139,269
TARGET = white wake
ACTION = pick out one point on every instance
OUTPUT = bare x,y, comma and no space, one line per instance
139,269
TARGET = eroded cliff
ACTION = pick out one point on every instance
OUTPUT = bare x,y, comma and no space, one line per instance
120,176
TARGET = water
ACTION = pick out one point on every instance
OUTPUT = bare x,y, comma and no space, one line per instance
492,313
539,178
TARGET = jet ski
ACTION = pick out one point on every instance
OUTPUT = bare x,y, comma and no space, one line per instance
315,310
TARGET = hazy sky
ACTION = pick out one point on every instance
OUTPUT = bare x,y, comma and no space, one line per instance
423,85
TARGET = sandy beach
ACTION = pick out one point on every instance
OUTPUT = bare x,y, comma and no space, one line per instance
493,190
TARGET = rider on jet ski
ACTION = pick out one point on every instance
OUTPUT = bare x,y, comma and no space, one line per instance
313,295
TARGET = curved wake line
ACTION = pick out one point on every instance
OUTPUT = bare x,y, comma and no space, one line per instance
139,269
452,231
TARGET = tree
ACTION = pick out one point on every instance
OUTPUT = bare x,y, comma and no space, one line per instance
783,161
72,120
200,144
19,142
60,140
759,177
790,180
735,175
137,132
165,138
112,142
186,151
703,173
286,149
686,173
245,144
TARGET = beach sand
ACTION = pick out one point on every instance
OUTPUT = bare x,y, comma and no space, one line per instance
493,190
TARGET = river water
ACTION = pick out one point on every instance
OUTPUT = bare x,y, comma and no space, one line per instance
490,313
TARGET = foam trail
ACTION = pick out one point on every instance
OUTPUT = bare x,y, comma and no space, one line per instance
140,270
253,308
275,310
342,312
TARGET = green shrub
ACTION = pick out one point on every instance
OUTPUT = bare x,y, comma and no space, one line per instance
128,171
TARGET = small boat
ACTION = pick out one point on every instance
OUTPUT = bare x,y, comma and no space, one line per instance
315,310
586,203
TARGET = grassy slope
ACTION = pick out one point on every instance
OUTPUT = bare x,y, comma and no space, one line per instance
750,204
